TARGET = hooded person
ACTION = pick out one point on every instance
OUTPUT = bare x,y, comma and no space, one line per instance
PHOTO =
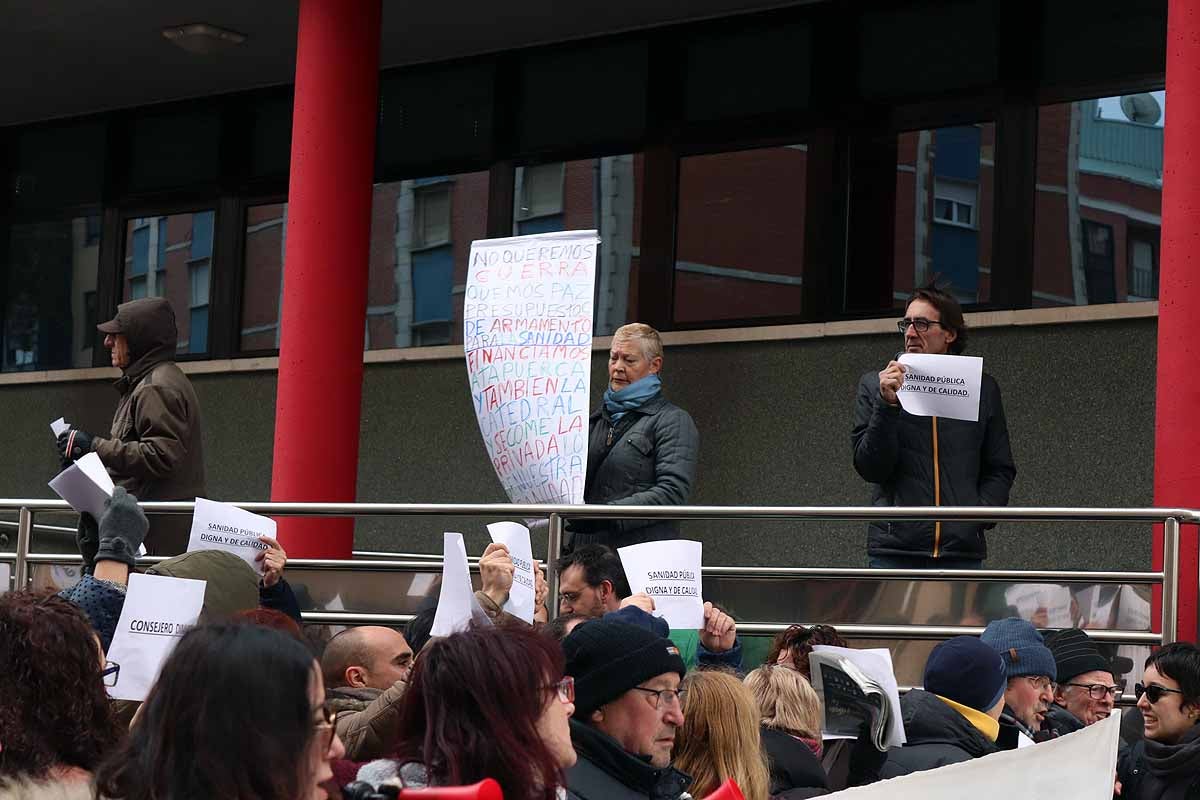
155,448
955,717
1031,678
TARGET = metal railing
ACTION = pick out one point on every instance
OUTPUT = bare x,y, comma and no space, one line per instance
556,516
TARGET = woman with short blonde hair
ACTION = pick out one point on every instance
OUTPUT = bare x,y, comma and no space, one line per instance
790,713
719,738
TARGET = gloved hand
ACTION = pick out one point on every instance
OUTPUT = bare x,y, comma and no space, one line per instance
87,539
74,444
122,528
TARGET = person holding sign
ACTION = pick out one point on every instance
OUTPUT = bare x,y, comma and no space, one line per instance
642,449
155,449
914,460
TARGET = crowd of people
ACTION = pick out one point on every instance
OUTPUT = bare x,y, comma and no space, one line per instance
603,702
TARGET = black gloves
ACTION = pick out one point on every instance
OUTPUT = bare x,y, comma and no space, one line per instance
122,528
74,444
87,539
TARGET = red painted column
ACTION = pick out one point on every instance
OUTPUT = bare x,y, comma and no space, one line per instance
1177,434
325,269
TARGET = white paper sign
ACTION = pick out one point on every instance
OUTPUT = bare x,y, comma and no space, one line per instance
59,427
668,571
876,662
527,337
515,537
457,606
158,611
221,526
85,485
1081,766
1032,598
941,386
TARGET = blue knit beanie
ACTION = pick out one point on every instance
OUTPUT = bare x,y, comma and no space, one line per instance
967,671
1021,646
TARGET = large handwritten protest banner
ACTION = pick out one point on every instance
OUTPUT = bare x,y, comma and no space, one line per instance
527,336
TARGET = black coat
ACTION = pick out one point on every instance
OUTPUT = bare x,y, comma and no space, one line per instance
792,764
937,735
651,462
605,771
1153,771
896,452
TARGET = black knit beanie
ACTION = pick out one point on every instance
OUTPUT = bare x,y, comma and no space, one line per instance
1075,654
607,659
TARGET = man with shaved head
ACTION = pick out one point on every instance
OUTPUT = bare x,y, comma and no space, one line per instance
366,673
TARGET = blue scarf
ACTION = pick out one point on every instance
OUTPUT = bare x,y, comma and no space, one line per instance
632,397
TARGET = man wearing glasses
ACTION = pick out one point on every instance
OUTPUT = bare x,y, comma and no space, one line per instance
1031,669
1087,686
929,461
628,706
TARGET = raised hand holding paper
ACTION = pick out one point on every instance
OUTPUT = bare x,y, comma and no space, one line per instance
457,605
516,538
158,611
668,571
941,386
85,485
221,526
527,336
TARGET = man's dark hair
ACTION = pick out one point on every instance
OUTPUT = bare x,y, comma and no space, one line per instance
599,564
949,311
556,628
419,628
1179,661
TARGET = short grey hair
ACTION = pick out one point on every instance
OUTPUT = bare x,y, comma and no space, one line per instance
646,337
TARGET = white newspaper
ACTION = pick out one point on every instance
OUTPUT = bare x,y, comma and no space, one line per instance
221,526
876,663
941,386
1081,766
515,537
527,337
158,611
668,571
457,606
85,485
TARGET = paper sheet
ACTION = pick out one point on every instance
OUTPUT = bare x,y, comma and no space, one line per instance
941,386
59,427
85,485
876,662
221,526
527,337
5,577
457,606
1081,766
521,596
668,571
158,611
1033,599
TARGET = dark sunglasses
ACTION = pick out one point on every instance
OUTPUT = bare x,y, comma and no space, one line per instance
1153,692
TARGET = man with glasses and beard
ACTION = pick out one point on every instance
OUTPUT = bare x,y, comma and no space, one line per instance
1087,688
929,461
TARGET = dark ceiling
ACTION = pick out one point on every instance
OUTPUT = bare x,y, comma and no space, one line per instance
62,58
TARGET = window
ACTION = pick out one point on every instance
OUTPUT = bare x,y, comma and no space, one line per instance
539,199
49,309
1099,200
739,242
943,229
169,256
431,215
262,287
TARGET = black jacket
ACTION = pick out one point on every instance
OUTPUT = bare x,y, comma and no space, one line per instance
899,454
651,461
1150,770
792,764
605,771
1059,722
937,735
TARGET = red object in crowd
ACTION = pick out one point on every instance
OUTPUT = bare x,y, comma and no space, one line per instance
727,791
486,789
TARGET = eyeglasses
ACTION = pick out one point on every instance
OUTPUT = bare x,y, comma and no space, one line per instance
1041,682
1153,692
565,689
1098,691
112,671
669,696
568,597
920,323
326,729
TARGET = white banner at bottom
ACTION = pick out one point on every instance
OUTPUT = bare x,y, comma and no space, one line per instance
1080,765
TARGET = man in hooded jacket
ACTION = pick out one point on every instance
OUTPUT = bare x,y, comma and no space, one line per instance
155,448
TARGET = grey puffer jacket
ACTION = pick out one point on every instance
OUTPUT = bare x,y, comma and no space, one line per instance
931,461
647,458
